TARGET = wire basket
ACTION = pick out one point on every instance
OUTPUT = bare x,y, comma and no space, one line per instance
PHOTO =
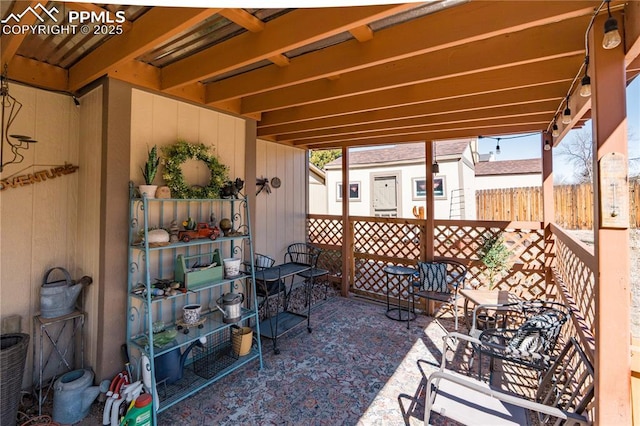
216,355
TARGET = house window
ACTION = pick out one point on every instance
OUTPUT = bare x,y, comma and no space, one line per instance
419,188
354,191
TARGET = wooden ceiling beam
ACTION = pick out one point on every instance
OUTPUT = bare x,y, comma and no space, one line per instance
478,102
446,29
280,60
524,47
37,74
538,120
362,33
543,110
151,29
556,70
243,18
632,32
10,43
469,132
295,29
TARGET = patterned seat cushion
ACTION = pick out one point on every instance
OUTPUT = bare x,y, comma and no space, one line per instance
433,276
537,334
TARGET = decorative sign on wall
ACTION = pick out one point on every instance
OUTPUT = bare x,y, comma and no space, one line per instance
614,191
39,176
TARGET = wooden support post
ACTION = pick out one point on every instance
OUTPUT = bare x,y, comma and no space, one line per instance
429,213
347,235
547,209
612,298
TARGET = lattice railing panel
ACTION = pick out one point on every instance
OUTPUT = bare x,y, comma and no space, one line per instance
325,230
378,242
579,279
525,240
394,238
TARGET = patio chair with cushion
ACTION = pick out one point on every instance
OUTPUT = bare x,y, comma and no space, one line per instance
562,397
307,254
531,344
439,281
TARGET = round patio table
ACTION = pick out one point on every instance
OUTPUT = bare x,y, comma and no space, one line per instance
400,277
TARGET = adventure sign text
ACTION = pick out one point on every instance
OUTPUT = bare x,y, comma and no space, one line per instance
39,176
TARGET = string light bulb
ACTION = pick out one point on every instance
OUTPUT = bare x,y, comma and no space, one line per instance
566,115
554,130
585,84
498,146
612,37
547,145
435,167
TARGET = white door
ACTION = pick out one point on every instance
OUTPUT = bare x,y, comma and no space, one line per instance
385,196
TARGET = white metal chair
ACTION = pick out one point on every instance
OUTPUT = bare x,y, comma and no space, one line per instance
563,395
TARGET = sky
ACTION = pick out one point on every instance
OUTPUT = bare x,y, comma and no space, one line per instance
523,146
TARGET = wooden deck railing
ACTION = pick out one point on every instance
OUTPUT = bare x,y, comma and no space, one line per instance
378,242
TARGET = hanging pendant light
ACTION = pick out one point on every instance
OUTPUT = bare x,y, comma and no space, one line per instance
566,115
435,167
585,84
612,37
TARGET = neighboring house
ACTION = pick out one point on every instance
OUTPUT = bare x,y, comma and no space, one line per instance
317,190
390,181
508,174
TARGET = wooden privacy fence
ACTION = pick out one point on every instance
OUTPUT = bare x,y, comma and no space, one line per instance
573,205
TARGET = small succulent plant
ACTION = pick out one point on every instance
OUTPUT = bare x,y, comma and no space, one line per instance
151,166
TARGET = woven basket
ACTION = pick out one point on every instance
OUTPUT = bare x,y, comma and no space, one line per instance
12,359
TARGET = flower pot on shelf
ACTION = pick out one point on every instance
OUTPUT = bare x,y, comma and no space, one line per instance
148,191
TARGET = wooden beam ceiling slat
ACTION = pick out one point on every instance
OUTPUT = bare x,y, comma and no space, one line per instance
446,29
470,132
523,47
150,30
244,19
362,33
539,121
632,32
444,119
522,96
556,70
293,30
38,74
10,43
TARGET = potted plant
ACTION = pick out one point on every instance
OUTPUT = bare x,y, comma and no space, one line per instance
494,254
149,173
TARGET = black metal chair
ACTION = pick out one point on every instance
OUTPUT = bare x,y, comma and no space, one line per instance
307,254
532,343
440,280
266,289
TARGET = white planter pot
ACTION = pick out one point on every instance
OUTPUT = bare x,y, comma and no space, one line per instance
148,190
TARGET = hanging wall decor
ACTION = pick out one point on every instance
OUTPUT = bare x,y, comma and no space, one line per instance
175,155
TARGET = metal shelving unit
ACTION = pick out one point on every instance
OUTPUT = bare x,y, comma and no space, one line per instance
147,313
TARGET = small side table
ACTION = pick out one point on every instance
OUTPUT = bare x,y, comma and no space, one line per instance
399,275
61,352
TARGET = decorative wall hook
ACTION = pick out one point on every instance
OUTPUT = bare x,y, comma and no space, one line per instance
263,183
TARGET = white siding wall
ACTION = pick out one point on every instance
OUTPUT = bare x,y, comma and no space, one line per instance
157,120
317,196
508,181
281,215
406,173
38,222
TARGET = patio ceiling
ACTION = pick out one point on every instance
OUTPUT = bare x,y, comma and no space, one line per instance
330,77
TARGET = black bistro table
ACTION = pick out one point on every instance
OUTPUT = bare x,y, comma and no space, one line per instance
277,325
400,275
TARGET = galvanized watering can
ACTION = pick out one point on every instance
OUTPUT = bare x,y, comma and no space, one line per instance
58,298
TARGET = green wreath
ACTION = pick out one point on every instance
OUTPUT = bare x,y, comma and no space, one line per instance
182,151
